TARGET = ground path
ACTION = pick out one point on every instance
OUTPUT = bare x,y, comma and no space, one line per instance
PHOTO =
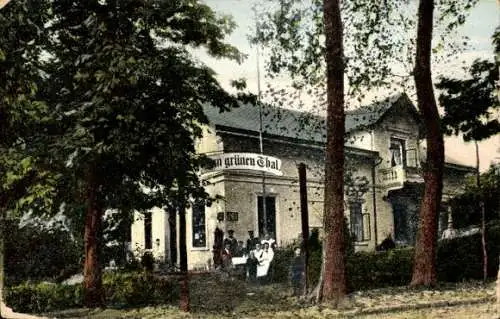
213,297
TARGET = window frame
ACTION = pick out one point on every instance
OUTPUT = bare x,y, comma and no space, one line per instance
401,144
360,219
198,226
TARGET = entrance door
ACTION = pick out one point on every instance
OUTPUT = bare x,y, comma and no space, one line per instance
270,215
405,223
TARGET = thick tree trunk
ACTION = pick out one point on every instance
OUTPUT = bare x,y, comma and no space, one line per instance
92,272
424,271
334,276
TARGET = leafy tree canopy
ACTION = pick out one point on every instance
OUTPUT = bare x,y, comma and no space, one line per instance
469,103
127,96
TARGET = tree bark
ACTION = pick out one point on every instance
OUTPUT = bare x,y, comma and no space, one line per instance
92,272
424,271
483,216
334,277
172,223
184,289
2,259
304,216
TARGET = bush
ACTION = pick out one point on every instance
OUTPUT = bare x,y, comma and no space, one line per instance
457,260
148,261
43,297
120,289
369,270
280,266
462,258
39,252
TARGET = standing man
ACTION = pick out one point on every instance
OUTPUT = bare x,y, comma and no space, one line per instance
231,241
297,272
251,241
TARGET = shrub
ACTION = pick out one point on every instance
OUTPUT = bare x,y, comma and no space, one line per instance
457,260
39,252
368,270
148,261
121,289
462,258
280,266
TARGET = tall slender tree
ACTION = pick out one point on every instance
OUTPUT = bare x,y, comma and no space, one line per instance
468,108
424,271
128,97
334,268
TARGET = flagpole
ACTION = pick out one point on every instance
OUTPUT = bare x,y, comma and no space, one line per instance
261,142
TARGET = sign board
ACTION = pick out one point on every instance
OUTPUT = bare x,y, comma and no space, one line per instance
247,161
232,216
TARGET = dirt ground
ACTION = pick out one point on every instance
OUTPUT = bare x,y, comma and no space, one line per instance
213,298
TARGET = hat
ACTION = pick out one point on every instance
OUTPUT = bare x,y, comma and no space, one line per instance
250,231
230,231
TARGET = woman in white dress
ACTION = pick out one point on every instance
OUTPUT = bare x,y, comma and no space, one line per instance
264,258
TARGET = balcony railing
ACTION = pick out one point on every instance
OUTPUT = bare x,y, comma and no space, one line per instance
393,177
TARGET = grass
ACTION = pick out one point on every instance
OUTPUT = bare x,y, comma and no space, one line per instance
215,297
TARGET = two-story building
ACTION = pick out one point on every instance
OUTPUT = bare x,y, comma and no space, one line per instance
260,190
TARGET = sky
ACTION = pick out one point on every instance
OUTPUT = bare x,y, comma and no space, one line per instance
479,27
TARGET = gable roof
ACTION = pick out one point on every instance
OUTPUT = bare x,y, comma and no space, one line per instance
304,125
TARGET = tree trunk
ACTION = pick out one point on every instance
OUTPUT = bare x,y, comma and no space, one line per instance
2,259
483,216
334,276
304,216
424,271
92,272
184,297
172,223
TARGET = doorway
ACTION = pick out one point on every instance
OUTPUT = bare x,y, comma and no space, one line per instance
270,215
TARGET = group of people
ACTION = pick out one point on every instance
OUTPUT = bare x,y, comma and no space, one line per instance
255,257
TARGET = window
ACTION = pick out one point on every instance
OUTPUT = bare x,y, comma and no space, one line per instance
356,218
148,223
198,225
397,149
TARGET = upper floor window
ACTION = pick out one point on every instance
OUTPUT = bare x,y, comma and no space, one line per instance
397,150
198,224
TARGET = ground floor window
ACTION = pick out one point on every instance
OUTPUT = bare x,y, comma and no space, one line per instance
270,215
356,218
198,224
148,229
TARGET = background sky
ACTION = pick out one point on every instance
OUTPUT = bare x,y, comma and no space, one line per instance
480,25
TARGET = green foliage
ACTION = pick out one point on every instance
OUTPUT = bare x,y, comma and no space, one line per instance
280,266
148,261
128,96
121,290
458,259
469,103
25,180
465,207
462,258
37,252
368,270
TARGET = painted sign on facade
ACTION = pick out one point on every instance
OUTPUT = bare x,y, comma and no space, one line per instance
247,161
